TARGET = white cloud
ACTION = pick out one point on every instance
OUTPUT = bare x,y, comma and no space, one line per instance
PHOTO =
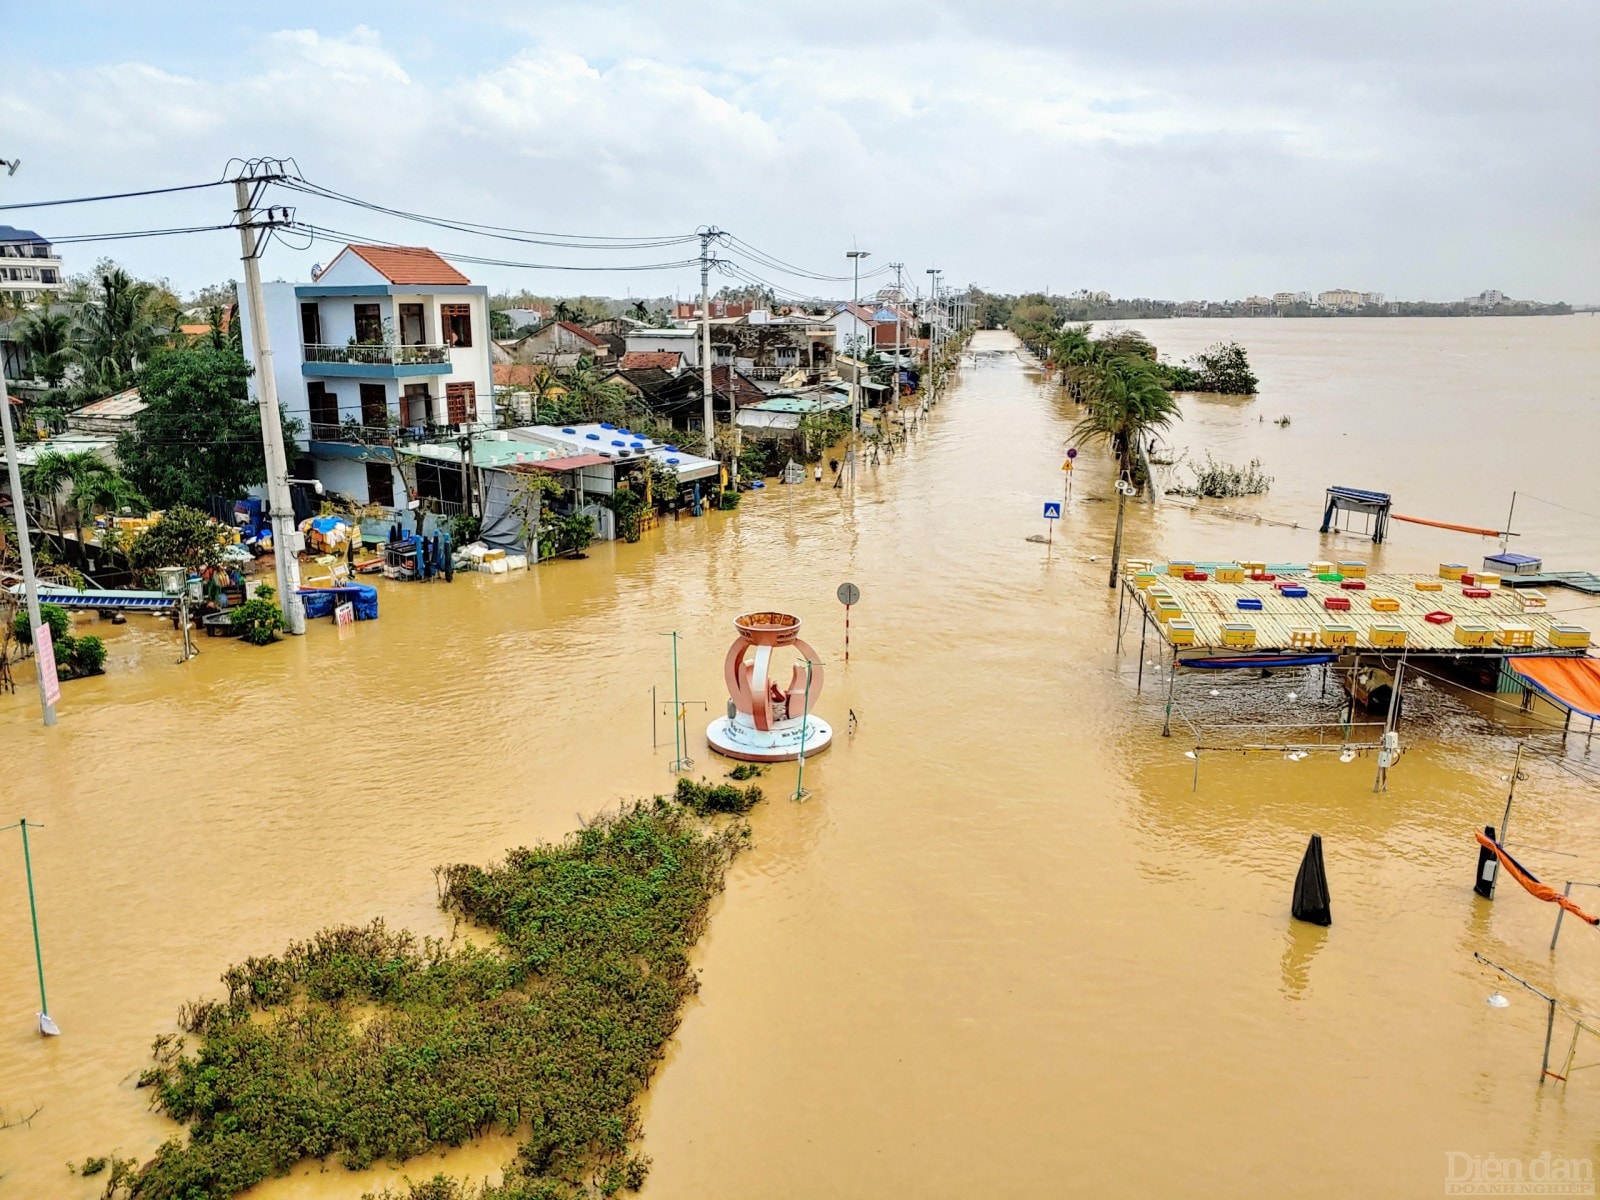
1148,148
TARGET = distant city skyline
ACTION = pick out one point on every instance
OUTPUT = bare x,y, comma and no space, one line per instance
1422,150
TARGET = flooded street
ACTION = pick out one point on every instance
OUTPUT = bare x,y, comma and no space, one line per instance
1005,948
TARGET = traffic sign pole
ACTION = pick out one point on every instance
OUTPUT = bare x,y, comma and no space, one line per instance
848,594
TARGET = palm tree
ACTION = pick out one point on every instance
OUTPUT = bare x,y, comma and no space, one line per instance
640,311
591,394
124,322
1126,405
44,480
561,312
46,337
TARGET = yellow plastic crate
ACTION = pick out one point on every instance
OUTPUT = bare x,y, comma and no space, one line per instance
1513,633
1144,579
1531,601
1180,633
1470,633
1387,635
1429,585
1452,571
1229,575
1302,639
1569,637
1134,565
1337,635
1320,568
1167,608
1353,570
1178,569
1239,635
1487,579
1385,604
1253,568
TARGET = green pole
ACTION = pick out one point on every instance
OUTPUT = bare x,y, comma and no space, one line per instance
677,710
805,721
33,912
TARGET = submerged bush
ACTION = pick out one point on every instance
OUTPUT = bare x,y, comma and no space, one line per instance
1215,479
706,798
363,1044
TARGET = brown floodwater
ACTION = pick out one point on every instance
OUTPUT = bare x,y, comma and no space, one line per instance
1006,947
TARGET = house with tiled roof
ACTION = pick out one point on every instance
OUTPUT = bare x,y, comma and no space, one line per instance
382,339
562,344
661,360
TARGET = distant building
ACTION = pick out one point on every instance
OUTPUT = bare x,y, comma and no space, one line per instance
108,417
526,318
561,343
1493,298
1287,299
1340,298
29,268
720,310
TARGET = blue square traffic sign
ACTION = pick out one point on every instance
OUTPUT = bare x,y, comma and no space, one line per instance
1052,510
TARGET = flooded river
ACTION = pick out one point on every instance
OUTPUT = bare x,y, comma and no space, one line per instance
1006,948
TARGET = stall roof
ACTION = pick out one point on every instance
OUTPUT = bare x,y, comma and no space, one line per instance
1571,682
571,462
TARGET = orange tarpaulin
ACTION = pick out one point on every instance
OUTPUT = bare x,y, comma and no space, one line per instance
1527,879
1571,682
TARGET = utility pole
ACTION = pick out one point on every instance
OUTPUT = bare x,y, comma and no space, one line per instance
855,257
899,326
705,340
933,329
30,582
248,186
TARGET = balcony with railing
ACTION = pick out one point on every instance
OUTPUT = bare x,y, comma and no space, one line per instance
379,360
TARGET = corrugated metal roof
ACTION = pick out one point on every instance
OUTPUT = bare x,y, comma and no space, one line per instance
1209,605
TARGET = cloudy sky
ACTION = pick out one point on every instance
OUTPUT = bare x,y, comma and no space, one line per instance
1147,147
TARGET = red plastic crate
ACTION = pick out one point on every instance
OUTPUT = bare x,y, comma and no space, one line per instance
1475,593
1196,576
1262,576
1438,618
1337,603
1354,585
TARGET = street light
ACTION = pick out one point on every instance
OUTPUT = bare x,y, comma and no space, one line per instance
855,257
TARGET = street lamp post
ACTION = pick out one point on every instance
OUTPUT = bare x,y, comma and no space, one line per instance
855,257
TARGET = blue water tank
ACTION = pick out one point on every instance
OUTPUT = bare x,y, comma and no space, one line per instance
607,425
615,442
672,449
673,461
569,431
593,437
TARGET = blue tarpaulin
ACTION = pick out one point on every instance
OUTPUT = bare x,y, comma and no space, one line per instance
320,602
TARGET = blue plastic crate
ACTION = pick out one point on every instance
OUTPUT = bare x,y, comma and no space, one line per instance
1248,604
1294,593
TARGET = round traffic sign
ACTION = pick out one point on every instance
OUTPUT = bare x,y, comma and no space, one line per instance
848,594
1072,452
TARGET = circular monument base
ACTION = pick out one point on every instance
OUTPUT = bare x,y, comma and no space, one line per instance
781,743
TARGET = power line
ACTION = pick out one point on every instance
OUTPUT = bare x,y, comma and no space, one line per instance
187,187
573,241
772,262
126,235
324,234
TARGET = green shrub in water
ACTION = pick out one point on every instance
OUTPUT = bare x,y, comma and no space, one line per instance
363,1045
52,615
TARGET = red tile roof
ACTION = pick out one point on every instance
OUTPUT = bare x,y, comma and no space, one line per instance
638,360
745,390
409,264
580,331
519,374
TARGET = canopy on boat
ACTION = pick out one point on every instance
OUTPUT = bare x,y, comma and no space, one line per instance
1571,682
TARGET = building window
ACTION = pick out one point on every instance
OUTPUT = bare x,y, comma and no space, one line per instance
457,322
49,275
380,484
310,325
462,402
788,356
411,327
324,410
369,324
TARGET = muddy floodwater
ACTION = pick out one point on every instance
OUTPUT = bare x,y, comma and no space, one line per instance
1007,948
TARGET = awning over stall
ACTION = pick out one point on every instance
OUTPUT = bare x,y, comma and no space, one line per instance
1571,682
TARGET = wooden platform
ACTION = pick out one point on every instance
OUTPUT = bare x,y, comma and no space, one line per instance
1209,605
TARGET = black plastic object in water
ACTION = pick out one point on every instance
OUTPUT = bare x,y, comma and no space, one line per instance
1311,887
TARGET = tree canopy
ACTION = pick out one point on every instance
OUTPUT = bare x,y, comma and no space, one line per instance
199,435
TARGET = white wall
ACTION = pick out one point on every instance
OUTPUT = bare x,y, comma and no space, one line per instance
283,332
652,340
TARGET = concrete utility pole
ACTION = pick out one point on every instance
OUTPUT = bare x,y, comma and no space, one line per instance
248,185
30,582
705,342
899,324
933,325
855,257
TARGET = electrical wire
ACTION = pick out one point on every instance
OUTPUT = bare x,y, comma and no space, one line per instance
187,187
574,241
772,262
324,234
72,239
